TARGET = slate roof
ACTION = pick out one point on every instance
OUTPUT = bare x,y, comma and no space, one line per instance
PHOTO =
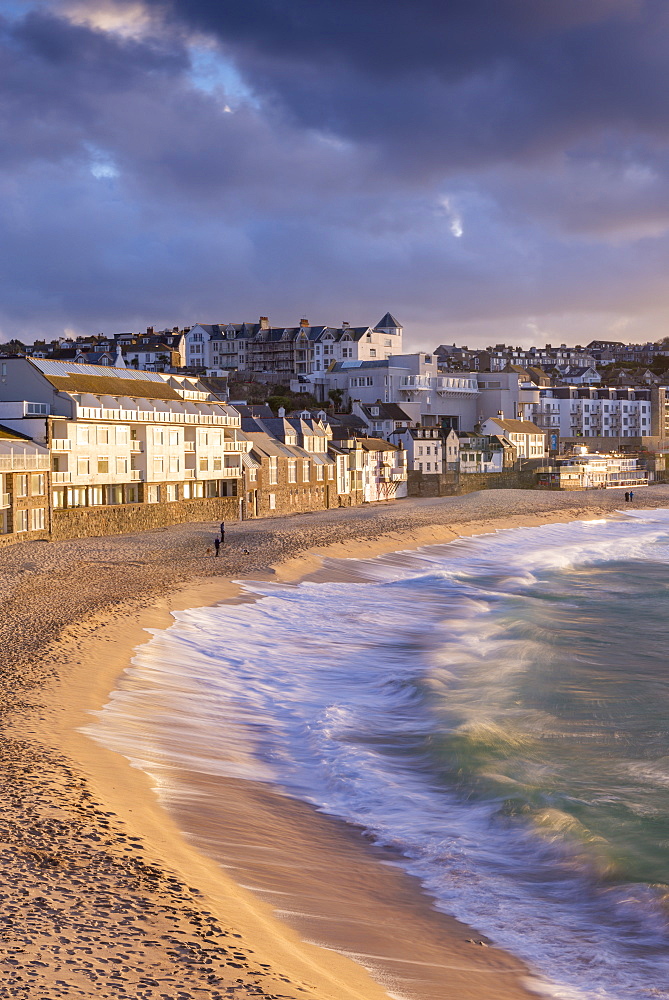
387,320
9,434
110,386
387,411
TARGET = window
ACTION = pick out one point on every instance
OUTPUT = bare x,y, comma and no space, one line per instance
372,352
122,435
158,435
114,494
174,463
103,435
37,485
330,471
153,494
121,466
158,465
272,501
83,435
217,465
273,471
292,470
174,437
187,491
59,498
253,475
428,467
22,520
103,465
305,472
171,493
21,486
37,409
204,464
319,473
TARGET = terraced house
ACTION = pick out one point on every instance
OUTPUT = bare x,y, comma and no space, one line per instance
129,450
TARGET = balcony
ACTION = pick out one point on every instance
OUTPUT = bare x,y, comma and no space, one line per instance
234,473
61,477
415,383
4,501
189,447
189,473
136,475
61,444
136,447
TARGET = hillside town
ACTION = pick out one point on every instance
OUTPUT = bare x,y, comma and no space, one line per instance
107,434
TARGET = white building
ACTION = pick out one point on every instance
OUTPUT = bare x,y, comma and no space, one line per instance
414,382
589,413
528,439
300,350
426,449
585,471
118,436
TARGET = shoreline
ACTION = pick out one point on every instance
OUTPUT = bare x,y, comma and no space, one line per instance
106,638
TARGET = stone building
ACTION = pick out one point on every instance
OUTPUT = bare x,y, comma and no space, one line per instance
24,488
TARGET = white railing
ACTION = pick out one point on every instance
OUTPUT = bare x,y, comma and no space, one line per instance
189,446
4,500
235,473
136,447
136,475
415,382
61,444
61,477
189,473
156,416
237,446
24,463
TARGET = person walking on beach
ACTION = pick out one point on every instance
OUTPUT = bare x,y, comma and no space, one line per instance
217,544
631,495
222,532
627,497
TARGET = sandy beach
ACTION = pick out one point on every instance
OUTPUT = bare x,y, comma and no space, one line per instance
103,894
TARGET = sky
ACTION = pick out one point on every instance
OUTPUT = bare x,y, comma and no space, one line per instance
487,170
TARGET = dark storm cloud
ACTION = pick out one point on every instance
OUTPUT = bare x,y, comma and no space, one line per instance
438,85
457,163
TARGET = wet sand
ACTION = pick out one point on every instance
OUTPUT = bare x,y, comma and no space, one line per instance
102,894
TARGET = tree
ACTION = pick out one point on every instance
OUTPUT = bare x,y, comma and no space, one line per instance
337,396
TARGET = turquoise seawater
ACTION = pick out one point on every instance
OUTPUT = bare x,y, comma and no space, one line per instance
496,710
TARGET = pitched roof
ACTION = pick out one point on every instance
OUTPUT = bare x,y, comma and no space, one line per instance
99,385
377,444
517,426
387,411
387,321
7,432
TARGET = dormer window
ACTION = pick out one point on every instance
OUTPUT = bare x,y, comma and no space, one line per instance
374,411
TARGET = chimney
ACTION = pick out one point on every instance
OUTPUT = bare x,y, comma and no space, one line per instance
500,414
264,323
304,322
281,412
345,325
149,330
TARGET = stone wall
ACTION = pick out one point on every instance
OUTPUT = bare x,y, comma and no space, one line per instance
121,519
450,484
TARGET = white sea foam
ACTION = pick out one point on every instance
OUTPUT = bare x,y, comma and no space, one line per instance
342,694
